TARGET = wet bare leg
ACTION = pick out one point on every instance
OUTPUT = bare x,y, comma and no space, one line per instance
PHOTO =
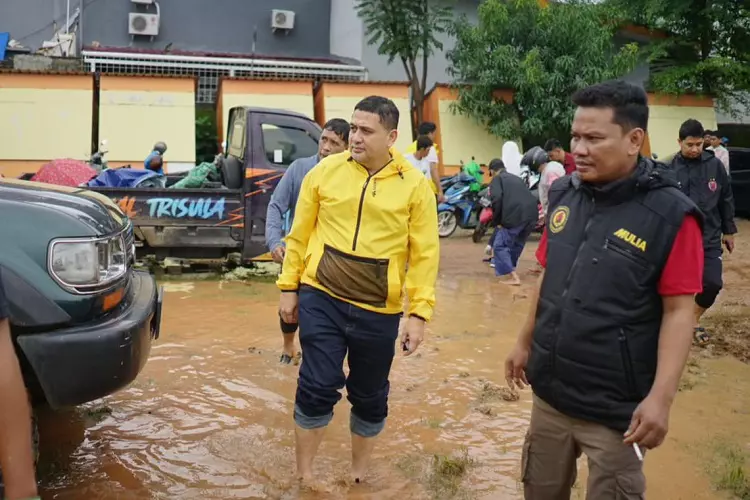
308,442
511,279
698,314
361,452
289,350
16,455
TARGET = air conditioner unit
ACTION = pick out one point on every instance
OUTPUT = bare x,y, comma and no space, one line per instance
282,19
143,2
143,24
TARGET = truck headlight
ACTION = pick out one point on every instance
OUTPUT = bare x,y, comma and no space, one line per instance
87,265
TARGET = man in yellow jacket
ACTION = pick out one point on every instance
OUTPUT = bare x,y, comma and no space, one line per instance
361,217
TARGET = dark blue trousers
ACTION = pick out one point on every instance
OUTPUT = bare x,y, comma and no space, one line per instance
507,246
329,331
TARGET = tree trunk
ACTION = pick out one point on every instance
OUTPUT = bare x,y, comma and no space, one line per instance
417,99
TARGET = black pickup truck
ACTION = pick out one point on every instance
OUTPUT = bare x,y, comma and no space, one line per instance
213,223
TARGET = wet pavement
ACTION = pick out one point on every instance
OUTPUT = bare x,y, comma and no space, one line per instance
210,416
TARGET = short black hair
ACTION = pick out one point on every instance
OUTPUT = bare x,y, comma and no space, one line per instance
708,132
496,164
381,106
426,128
552,144
692,128
424,142
628,101
339,127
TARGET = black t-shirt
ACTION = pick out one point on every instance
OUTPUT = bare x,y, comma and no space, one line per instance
3,302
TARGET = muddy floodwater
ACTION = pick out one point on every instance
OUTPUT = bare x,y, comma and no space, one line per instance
210,417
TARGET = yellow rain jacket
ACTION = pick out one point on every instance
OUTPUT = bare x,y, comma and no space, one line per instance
354,233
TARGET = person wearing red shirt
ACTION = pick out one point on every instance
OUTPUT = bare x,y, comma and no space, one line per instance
556,153
610,326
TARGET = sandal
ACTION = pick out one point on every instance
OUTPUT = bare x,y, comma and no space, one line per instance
701,338
286,359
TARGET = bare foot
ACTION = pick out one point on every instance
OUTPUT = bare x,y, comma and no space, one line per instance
313,486
512,279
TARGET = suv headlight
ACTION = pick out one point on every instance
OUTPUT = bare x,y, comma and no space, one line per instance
87,265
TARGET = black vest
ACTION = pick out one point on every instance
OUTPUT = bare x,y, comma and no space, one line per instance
595,341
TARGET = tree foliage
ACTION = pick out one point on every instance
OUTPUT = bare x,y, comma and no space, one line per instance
706,49
543,54
407,30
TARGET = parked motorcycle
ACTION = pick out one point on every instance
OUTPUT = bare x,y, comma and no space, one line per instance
460,208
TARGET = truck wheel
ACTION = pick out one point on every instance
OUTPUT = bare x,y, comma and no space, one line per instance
231,171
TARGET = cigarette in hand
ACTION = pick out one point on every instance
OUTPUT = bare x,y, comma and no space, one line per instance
638,451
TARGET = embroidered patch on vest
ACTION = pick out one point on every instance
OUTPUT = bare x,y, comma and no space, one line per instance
559,218
629,237
712,185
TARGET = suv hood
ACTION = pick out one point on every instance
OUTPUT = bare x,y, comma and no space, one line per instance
93,209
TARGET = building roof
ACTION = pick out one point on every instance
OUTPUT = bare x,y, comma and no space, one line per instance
228,55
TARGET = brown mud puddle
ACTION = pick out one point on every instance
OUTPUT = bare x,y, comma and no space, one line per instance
210,415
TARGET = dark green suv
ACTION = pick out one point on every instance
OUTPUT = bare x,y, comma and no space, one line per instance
83,320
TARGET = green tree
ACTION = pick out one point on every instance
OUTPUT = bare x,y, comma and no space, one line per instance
542,54
705,50
407,30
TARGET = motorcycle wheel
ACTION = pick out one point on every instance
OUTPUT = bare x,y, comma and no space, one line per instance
447,223
479,233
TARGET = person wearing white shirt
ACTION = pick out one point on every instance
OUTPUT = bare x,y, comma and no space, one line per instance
718,148
422,158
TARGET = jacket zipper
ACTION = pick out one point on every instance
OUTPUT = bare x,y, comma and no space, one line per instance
627,364
362,202
567,283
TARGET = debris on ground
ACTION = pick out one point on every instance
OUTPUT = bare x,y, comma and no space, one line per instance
447,472
729,331
492,392
259,269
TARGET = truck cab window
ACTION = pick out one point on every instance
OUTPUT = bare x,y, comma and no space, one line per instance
283,145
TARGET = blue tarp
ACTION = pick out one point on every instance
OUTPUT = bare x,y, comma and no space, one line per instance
4,39
122,177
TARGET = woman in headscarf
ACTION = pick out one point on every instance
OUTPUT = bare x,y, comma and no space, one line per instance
512,158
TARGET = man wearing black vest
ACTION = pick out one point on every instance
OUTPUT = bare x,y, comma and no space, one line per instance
703,177
610,328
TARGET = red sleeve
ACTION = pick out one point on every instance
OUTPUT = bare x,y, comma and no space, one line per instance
541,251
570,164
683,273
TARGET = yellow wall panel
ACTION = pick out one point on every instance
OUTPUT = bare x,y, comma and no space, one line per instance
45,124
664,125
343,107
298,103
134,120
463,138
